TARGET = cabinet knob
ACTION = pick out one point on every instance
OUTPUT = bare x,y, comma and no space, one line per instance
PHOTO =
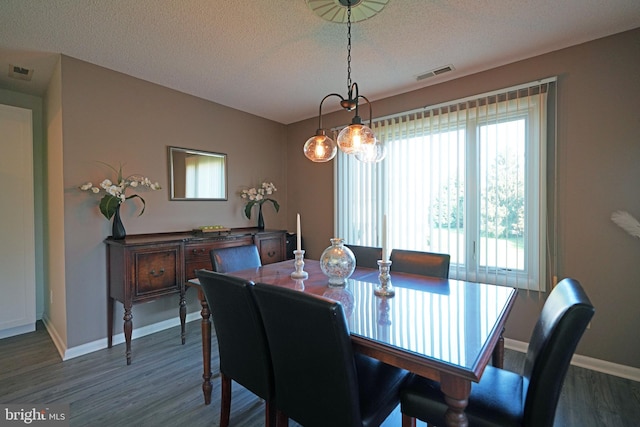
158,274
271,254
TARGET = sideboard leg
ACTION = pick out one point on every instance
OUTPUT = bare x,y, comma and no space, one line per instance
110,322
128,327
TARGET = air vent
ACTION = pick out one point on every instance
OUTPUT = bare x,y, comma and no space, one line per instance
20,73
435,72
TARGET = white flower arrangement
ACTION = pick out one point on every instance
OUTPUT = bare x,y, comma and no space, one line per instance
116,192
259,195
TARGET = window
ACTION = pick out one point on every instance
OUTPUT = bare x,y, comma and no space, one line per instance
467,178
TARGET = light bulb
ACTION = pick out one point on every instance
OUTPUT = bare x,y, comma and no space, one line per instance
320,148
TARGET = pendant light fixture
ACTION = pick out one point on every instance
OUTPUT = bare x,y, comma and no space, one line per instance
357,138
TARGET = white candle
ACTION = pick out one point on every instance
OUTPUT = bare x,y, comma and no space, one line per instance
385,254
298,235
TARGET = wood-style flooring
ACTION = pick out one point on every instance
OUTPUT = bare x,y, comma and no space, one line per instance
162,386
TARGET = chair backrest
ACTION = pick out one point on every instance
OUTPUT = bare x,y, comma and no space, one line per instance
313,361
564,318
423,263
242,343
366,256
225,260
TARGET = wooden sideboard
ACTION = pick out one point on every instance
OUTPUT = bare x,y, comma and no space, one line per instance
143,267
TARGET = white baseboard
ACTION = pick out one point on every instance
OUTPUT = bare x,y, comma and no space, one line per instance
520,346
17,330
90,347
55,336
597,365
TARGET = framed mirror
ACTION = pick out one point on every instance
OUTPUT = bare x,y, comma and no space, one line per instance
197,175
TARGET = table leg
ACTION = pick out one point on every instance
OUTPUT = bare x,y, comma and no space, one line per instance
206,347
456,394
128,327
497,358
183,315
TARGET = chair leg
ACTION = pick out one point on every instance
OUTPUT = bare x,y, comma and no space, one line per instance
281,419
408,421
271,414
225,400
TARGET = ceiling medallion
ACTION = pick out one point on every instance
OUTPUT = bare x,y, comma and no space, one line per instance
336,10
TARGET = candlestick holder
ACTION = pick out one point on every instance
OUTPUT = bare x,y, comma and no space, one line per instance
299,273
299,284
386,288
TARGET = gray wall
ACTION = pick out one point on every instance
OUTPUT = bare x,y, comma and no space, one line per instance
598,173
115,118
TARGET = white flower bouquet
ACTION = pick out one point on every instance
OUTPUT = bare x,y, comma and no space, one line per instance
115,192
259,195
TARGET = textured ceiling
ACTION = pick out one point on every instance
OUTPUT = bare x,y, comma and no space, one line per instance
277,59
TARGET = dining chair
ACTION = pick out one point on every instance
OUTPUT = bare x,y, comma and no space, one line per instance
366,256
242,343
225,260
319,380
422,263
504,398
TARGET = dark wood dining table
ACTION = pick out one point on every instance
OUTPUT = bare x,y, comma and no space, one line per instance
443,329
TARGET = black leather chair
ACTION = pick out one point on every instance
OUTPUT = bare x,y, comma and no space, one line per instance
503,398
422,263
242,343
366,256
225,260
319,380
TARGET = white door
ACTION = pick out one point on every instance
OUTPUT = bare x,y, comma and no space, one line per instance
17,240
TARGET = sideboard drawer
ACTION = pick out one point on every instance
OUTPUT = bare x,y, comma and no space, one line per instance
271,247
156,272
190,268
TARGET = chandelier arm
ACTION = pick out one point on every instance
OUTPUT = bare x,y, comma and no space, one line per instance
352,98
320,108
370,109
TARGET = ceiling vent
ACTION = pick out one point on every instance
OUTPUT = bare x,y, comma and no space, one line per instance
435,72
17,72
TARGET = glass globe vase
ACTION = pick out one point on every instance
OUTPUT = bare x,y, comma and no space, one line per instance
337,262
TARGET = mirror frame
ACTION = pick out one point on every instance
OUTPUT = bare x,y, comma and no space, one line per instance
170,160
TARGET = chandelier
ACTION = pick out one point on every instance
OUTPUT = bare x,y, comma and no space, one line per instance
357,138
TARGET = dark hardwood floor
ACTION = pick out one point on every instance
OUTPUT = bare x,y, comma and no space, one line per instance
162,386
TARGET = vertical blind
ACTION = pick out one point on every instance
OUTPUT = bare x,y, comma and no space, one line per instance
467,178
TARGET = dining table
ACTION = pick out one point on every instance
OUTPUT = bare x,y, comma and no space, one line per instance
443,329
